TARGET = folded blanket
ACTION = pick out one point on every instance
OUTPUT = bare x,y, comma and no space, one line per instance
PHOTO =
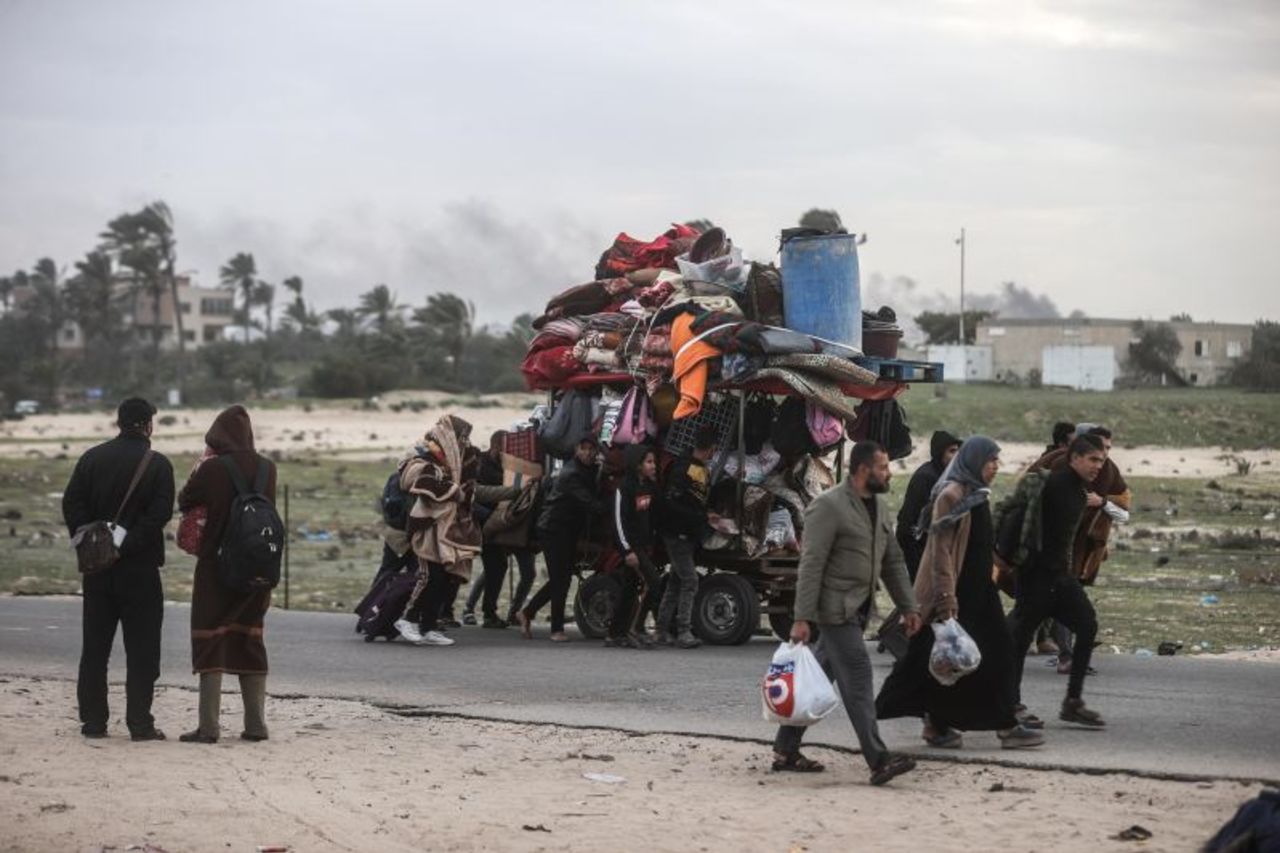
550,366
658,341
813,387
829,366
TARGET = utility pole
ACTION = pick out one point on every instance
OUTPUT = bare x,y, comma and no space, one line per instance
960,242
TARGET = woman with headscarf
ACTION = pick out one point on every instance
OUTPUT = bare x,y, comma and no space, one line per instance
444,536
955,580
226,625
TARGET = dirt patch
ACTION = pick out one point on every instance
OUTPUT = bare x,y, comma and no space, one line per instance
342,775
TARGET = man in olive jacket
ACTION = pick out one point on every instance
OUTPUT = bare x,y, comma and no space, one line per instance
848,545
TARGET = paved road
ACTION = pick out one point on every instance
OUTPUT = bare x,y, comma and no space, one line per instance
1199,717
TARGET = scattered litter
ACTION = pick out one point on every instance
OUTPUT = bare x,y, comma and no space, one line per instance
1271,516
1144,653
1133,833
586,756
536,827
272,848
996,786
606,778
1208,600
55,808
1168,648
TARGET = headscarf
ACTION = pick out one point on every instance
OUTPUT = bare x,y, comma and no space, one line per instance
966,469
231,431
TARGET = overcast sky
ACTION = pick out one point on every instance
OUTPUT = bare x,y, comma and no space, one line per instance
1119,158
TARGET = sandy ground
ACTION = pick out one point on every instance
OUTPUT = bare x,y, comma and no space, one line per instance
340,775
354,433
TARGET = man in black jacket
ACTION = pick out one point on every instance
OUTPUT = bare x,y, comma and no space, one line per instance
573,501
128,593
942,446
682,521
1046,586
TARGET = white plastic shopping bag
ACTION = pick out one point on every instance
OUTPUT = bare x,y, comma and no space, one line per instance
954,654
795,691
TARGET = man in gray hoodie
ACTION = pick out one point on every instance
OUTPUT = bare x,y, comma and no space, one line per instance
848,546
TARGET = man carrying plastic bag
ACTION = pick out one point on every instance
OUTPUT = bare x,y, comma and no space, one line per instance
848,545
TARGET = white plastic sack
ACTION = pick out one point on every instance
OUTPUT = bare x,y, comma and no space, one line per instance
781,532
795,691
954,654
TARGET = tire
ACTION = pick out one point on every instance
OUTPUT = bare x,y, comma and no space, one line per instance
726,611
593,606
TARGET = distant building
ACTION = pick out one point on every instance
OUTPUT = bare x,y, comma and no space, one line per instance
1090,353
206,314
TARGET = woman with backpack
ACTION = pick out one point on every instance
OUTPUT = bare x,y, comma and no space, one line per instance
954,581
226,624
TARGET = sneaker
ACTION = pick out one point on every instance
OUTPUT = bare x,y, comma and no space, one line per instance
1074,711
688,641
489,622
1020,737
435,638
892,767
469,618
408,630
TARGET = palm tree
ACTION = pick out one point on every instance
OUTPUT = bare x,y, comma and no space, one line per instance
242,272
348,321
293,283
265,295
6,292
299,315
89,296
451,320
382,306
48,307
157,220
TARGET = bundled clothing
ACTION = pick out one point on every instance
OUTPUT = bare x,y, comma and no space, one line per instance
129,593
442,531
919,489
955,573
692,365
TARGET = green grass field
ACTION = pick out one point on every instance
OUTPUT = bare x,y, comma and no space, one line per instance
1188,539
1170,417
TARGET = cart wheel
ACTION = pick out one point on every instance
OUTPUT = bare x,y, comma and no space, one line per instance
592,609
726,611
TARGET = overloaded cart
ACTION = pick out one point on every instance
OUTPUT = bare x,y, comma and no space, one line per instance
680,334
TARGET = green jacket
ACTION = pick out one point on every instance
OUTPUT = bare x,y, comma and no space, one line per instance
843,555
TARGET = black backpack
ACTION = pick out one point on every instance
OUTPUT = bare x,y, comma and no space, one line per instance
395,503
1254,829
253,541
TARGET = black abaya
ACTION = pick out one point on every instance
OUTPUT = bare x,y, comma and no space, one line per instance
983,699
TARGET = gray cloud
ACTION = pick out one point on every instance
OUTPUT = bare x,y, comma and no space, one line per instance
1113,156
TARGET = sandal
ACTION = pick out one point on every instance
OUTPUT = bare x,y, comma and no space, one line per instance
559,637
526,627
795,763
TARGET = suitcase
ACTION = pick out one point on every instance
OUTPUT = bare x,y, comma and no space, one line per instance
384,604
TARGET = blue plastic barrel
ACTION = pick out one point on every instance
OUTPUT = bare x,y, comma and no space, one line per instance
821,293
